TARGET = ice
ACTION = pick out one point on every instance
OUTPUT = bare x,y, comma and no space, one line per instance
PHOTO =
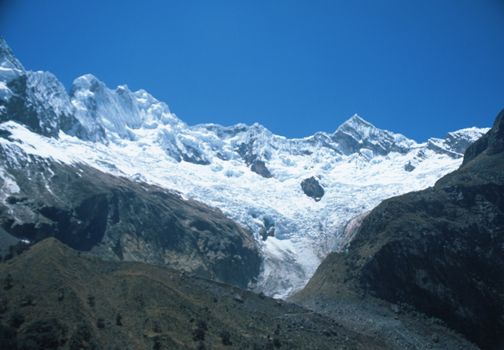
305,231
133,134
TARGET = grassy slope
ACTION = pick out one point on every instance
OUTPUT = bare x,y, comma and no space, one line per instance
78,299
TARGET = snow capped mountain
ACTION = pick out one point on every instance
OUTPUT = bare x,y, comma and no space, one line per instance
252,175
357,134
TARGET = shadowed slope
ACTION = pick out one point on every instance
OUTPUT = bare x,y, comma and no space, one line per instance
440,250
53,298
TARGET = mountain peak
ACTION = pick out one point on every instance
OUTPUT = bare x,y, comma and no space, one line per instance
356,133
8,62
86,82
356,122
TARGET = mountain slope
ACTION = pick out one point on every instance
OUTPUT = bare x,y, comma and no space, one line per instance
120,219
255,177
54,298
440,250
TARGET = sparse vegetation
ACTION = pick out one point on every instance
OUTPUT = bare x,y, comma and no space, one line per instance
15,250
3,305
82,338
173,309
16,320
226,338
43,334
8,282
8,339
91,300
100,323
27,300
61,294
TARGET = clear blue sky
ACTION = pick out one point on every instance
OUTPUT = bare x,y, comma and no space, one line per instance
419,67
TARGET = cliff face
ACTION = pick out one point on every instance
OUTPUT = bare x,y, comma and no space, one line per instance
440,250
120,219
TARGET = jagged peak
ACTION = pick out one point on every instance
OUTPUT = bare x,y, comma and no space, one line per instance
144,97
259,128
3,43
123,89
7,59
44,76
356,122
86,82
358,128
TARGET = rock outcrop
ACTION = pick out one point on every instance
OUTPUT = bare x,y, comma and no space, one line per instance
259,167
119,219
311,187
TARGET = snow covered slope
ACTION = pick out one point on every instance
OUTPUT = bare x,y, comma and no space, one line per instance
252,175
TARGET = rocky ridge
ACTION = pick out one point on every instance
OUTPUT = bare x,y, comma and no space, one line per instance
439,251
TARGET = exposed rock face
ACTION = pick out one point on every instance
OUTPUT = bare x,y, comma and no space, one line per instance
53,298
312,188
440,250
259,167
356,133
119,219
409,167
40,102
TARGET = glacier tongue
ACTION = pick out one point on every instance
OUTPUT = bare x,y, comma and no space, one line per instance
252,175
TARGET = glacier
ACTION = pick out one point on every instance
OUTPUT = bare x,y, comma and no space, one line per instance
252,175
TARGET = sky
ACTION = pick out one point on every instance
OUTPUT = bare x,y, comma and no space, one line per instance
418,67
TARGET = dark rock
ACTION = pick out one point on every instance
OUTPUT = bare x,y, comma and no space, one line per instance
246,151
409,167
193,155
259,167
311,187
5,134
269,228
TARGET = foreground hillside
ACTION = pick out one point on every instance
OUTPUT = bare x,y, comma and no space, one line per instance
51,297
439,251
